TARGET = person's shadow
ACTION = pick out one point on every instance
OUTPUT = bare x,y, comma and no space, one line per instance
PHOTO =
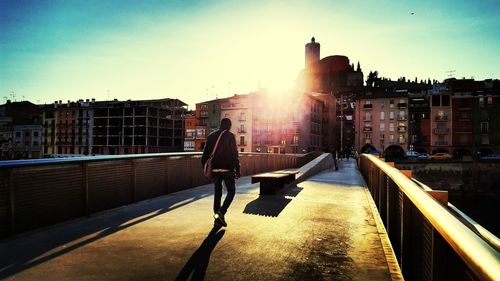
198,262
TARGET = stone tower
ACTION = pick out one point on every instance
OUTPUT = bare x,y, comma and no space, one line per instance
312,52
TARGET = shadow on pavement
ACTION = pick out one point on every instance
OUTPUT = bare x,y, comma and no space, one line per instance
272,205
198,262
21,253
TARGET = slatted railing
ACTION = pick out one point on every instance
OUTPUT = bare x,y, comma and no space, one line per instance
430,242
35,193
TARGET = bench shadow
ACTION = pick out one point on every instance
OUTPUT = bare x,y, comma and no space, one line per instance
272,205
198,262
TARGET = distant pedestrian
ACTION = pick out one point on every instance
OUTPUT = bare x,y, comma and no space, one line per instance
334,155
225,167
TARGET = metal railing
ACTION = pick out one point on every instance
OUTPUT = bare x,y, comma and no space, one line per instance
430,242
39,192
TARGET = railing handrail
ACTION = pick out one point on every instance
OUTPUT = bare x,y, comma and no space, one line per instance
79,159
480,257
481,231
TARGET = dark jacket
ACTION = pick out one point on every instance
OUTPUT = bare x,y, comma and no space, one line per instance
226,155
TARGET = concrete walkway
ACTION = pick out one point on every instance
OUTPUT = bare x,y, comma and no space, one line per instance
320,229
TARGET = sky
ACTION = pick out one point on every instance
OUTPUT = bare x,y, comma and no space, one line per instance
200,50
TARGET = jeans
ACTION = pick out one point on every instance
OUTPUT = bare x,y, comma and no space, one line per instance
228,178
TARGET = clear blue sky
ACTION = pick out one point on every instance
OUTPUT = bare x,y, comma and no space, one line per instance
195,50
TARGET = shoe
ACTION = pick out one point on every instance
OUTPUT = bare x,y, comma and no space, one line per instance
220,217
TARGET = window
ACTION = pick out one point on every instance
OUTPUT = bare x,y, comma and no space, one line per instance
368,102
490,100
242,140
382,115
382,104
391,103
391,115
26,134
402,139
445,101
242,150
382,126
188,145
391,127
436,101
484,128
226,115
18,134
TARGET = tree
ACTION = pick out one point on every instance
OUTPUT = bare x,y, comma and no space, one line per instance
373,80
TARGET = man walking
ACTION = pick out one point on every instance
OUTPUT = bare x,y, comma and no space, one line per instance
225,167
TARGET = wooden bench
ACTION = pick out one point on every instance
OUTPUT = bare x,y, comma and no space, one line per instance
271,181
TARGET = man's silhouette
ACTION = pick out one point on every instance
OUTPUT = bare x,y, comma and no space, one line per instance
225,167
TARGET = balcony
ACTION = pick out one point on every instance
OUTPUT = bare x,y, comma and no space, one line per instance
402,129
242,131
368,106
367,129
402,117
402,105
441,131
402,141
441,143
242,143
441,118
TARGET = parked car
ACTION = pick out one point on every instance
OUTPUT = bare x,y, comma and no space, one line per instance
440,156
491,157
423,155
412,153
373,152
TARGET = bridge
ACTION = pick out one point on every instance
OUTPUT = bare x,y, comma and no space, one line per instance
149,218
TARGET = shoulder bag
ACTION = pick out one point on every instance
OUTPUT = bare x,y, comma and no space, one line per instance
207,168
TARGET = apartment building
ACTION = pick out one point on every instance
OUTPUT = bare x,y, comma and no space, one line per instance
382,121
239,110
140,126
270,123
113,127
20,130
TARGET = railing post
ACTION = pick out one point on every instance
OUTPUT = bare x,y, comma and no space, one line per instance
411,235
133,180
85,185
395,217
12,206
190,171
382,183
